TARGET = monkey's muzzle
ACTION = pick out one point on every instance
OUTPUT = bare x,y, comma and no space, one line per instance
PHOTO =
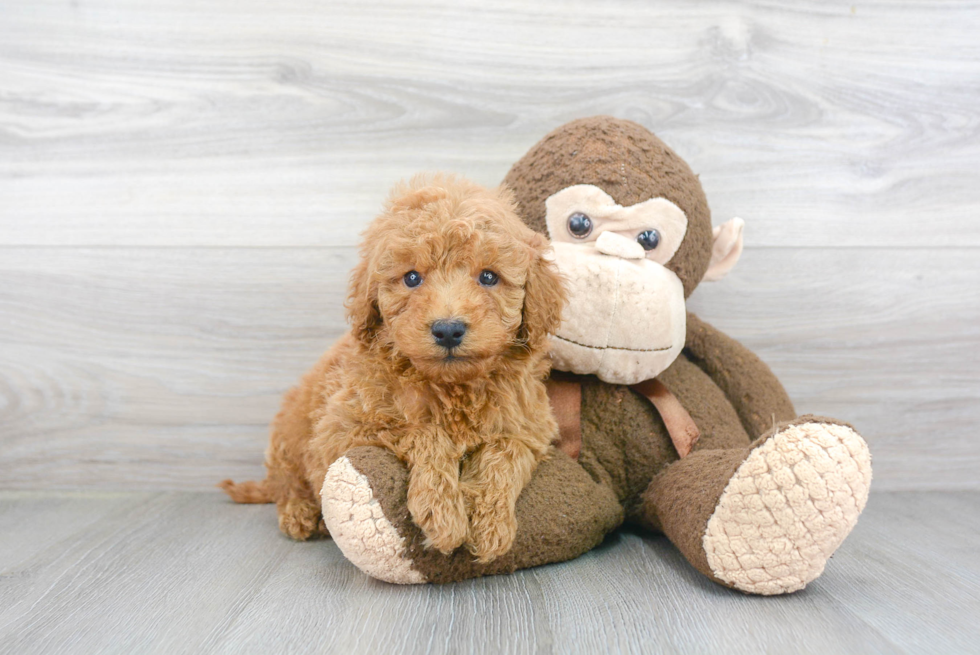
625,321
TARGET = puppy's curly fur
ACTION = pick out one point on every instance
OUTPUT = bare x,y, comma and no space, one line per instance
471,421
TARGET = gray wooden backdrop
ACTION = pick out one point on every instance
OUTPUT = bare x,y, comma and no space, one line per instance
182,183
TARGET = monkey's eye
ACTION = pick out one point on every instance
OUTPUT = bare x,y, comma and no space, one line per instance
579,225
488,278
412,279
649,239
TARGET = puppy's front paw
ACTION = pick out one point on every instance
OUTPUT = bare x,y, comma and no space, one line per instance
299,519
493,527
441,518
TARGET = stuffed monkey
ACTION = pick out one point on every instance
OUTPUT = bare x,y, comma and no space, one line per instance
667,423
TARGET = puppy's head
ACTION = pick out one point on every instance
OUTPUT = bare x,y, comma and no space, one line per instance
452,280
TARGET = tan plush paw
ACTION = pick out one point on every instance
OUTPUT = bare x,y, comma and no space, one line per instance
441,517
491,534
788,507
360,528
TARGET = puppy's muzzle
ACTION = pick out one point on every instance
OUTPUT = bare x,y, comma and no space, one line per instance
448,333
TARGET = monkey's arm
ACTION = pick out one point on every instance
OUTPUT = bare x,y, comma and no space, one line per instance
561,513
747,382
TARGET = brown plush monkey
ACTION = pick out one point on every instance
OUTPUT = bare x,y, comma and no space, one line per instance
667,423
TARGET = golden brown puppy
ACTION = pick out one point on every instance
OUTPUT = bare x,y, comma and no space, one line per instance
451,306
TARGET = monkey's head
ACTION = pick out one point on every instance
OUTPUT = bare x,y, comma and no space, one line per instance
632,235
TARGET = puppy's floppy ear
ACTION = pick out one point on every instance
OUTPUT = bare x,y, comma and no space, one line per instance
362,298
544,296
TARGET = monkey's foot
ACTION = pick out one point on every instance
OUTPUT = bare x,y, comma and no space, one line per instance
359,527
788,507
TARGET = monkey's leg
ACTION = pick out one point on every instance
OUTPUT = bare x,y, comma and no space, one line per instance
765,519
751,387
561,514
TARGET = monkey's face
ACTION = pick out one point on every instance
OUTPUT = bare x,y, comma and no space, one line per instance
625,320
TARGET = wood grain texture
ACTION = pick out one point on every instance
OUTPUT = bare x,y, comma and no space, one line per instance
256,123
181,187
161,368
185,572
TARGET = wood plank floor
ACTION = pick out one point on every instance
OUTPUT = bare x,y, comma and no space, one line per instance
192,573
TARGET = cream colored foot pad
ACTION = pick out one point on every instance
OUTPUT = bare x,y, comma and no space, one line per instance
360,529
788,508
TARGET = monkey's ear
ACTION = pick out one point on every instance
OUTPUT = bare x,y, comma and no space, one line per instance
726,248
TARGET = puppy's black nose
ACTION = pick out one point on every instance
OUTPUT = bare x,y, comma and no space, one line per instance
448,333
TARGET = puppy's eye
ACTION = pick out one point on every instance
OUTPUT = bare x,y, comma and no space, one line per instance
649,239
412,279
579,225
489,278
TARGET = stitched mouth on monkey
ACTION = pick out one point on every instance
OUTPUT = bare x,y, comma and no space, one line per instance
625,320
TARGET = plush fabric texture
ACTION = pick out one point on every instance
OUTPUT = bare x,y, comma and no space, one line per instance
358,524
566,404
630,164
580,513
626,443
685,495
788,507
755,392
617,245
754,459
684,432
611,334
610,218
726,250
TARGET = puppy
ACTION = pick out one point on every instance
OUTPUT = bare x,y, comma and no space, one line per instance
451,306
